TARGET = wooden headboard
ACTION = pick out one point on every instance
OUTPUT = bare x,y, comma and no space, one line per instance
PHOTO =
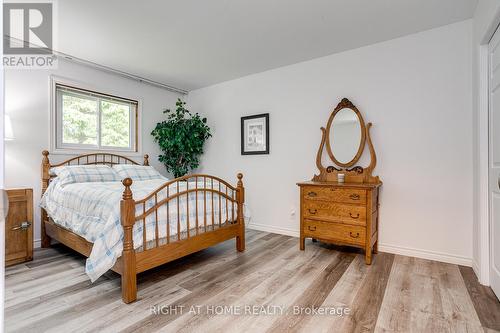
86,159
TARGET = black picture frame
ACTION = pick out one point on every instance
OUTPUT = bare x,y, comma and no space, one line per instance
265,116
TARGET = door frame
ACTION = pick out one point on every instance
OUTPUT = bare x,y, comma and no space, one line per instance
482,264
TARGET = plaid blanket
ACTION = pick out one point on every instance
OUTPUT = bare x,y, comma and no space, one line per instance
92,210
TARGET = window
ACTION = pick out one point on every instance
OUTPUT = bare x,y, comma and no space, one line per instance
90,120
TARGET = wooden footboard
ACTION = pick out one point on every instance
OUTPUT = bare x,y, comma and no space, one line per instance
210,194
199,234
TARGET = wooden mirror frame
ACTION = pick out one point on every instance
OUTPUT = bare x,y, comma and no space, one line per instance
353,174
346,104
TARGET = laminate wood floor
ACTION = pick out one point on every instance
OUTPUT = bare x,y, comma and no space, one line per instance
271,287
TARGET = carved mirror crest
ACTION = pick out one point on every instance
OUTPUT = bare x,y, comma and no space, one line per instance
345,138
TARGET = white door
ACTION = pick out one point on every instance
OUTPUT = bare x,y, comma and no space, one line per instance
494,161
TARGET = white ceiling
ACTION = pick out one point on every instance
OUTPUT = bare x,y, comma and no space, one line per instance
191,44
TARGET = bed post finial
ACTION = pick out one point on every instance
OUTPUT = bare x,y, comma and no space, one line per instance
146,160
127,193
240,198
45,183
240,188
45,154
45,170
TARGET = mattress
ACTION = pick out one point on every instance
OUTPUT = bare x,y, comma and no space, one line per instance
92,211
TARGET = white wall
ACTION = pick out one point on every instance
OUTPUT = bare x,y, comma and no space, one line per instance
27,100
417,92
486,19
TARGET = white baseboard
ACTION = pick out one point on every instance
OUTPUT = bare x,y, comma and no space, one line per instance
484,280
475,267
273,229
37,243
405,251
425,254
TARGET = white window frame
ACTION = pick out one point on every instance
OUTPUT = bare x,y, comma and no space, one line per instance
56,145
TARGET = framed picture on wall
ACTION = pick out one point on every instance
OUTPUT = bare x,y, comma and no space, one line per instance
255,134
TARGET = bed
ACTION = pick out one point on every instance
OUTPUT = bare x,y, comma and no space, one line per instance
135,225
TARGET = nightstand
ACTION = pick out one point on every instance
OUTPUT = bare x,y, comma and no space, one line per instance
19,227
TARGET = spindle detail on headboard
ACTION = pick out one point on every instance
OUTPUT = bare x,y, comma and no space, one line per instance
87,159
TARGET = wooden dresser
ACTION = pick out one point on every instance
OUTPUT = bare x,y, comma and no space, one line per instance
341,203
19,227
341,213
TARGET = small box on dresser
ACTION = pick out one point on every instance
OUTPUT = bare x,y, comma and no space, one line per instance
19,227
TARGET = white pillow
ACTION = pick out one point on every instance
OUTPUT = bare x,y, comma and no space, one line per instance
85,173
136,172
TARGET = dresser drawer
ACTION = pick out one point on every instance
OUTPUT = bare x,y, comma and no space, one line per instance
347,195
343,233
331,211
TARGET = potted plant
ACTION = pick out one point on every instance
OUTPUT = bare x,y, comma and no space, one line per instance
181,138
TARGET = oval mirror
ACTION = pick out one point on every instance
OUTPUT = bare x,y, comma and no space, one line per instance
346,136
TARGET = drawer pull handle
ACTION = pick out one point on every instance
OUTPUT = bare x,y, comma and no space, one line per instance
23,226
354,217
311,228
312,194
312,211
354,196
354,236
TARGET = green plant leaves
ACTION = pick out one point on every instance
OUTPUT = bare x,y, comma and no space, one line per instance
181,138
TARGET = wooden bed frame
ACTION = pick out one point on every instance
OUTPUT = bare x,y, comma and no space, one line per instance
134,261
